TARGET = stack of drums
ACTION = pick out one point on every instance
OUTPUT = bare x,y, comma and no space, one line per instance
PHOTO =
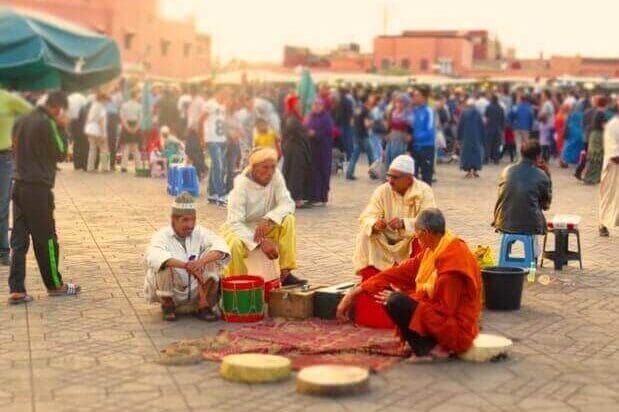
243,298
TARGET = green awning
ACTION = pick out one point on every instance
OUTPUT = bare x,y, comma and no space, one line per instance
39,52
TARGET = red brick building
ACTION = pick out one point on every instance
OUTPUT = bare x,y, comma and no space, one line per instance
146,40
346,58
443,51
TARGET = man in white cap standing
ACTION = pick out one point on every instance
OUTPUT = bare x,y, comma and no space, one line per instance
387,223
185,262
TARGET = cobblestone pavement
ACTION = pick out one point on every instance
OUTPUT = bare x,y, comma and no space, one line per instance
95,352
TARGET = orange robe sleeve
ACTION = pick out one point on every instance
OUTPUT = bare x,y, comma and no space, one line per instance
451,316
401,276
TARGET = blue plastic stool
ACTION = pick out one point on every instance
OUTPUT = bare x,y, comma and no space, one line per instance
505,258
183,179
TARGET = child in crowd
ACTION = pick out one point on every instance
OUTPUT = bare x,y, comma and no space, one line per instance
510,144
173,148
266,137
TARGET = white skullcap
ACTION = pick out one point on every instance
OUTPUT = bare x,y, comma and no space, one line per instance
404,164
470,101
164,130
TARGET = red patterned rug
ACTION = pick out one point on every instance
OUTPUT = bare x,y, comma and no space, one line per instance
312,342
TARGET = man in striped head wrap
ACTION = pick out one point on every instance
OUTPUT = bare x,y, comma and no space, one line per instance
185,262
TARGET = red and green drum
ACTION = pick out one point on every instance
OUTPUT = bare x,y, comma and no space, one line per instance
243,298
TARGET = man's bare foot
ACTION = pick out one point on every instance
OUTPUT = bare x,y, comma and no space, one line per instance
419,359
438,352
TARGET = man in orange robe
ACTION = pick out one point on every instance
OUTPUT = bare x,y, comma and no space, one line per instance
434,298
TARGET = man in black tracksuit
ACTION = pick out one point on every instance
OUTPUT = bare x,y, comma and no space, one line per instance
39,143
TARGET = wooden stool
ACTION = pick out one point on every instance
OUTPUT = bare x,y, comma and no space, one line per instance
561,227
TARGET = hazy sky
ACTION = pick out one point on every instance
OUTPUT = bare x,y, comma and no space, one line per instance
258,29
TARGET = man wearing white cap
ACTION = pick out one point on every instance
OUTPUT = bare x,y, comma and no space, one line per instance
185,262
387,223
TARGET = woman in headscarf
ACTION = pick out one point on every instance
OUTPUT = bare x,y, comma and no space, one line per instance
320,126
471,139
574,133
399,130
297,153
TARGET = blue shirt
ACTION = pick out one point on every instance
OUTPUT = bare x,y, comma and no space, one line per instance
523,117
424,132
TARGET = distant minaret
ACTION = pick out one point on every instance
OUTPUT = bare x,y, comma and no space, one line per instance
385,18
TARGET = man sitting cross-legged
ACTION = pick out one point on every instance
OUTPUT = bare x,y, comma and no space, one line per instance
387,222
185,262
261,215
434,298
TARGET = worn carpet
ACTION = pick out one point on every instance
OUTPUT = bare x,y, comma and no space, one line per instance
306,343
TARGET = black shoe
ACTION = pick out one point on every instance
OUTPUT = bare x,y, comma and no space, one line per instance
123,170
5,260
603,231
351,178
292,280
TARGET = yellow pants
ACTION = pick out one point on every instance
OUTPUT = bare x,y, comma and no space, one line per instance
284,236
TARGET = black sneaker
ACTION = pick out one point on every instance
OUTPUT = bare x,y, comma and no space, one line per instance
603,231
292,280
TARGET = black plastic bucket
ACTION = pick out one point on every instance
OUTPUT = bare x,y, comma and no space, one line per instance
503,287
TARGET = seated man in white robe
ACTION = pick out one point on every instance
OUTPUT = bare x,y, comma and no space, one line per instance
388,221
185,262
261,215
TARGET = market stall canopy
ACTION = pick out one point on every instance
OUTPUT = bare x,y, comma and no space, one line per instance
39,52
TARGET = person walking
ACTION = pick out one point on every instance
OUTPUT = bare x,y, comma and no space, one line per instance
11,106
130,135
113,124
343,118
320,126
471,139
495,128
361,138
96,130
522,121
424,136
297,168
41,143
595,150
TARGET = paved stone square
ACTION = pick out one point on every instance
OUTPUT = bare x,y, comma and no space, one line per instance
95,352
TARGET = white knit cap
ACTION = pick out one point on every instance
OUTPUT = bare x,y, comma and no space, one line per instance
404,164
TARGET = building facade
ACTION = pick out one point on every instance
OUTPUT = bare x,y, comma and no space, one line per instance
445,52
147,41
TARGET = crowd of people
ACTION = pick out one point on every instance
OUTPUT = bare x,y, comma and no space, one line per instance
214,128
266,152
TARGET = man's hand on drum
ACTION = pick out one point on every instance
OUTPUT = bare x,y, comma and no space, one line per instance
269,248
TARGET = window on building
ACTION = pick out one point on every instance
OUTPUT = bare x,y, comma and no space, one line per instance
424,65
385,64
165,47
186,49
405,64
128,40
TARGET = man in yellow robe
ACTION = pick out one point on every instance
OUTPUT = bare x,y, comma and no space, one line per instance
388,221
